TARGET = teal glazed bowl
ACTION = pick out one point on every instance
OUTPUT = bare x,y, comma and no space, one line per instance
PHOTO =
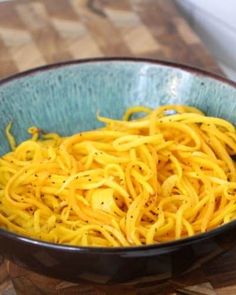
64,98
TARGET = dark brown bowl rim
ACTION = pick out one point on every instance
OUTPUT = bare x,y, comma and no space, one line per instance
121,250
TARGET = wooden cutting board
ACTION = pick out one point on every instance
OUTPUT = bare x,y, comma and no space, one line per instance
34,33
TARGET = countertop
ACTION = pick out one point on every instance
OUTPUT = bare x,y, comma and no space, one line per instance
38,32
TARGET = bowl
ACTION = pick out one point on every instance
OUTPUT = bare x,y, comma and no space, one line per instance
65,98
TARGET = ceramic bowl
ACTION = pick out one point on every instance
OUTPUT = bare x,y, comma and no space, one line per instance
65,98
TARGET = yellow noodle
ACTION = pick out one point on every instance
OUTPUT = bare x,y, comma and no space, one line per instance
164,176
10,137
133,110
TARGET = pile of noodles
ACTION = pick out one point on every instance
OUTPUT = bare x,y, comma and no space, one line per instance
163,177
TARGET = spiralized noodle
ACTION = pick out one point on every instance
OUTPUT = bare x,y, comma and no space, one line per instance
161,177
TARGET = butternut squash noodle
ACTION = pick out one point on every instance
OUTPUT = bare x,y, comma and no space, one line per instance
161,177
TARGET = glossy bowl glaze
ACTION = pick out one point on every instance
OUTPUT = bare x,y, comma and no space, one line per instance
65,98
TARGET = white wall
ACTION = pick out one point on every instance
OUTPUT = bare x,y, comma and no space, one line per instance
215,22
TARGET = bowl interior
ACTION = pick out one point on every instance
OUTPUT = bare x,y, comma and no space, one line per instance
65,99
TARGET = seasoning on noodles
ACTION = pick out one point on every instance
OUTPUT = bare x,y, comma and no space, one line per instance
165,176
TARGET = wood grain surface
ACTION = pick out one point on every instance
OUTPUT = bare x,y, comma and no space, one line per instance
34,32
38,32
